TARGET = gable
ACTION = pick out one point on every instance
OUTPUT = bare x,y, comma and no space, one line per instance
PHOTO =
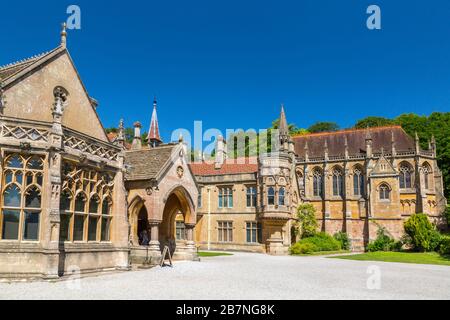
31,97
383,167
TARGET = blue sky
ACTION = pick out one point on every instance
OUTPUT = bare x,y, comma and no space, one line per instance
231,63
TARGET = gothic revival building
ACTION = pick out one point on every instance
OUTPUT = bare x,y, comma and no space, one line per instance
357,180
74,199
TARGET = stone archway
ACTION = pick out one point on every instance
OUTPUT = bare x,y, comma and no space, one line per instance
178,202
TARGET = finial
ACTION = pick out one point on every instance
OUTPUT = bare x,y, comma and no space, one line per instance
121,130
306,145
180,138
382,151
155,102
345,141
416,136
63,35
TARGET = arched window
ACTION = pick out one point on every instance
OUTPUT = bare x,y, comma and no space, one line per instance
405,176
106,220
271,196
385,192
86,219
317,183
358,182
427,176
281,198
80,217
66,215
338,183
21,198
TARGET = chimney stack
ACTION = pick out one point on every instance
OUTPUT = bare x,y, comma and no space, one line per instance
221,152
137,143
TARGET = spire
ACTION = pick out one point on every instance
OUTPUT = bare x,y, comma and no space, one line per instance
63,35
154,139
283,127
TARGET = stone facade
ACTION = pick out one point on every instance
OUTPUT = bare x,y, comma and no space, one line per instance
71,195
357,180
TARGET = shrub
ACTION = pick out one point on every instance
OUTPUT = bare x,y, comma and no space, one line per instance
323,242
444,247
384,242
306,214
343,239
421,235
447,215
302,248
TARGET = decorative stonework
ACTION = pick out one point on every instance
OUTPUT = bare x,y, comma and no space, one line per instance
180,172
90,148
23,132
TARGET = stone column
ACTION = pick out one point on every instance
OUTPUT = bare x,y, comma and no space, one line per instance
190,243
154,236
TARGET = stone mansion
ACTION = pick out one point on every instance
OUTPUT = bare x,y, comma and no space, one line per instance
74,198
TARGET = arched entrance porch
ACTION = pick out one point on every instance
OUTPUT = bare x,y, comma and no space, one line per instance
176,228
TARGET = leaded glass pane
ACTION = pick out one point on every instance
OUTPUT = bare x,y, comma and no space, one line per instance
79,203
33,198
8,177
78,228
92,228
31,226
14,162
105,229
11,224
35,163
93,205
12,196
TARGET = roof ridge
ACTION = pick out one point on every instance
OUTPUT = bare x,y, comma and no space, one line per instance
23,61
345,131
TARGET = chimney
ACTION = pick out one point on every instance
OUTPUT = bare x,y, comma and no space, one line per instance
368,143
393,150
221,152
137,143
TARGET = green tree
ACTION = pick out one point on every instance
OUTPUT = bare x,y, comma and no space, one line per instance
323,127
306,214
373,122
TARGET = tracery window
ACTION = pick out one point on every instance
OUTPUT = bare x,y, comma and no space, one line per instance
317,183
405,176
271,196
21,201
427,175
85,205
338,183
384,191
358,182
281,196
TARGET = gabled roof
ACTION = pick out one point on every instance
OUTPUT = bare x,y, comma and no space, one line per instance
14,71
356,141
146,163
231,166
11,69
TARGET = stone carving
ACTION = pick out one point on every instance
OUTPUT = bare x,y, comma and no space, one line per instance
90,148
21,132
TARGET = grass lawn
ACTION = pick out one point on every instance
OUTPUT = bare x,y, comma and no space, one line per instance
321,253
405,257
212,254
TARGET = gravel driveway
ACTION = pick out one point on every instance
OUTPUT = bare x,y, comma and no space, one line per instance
252,276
